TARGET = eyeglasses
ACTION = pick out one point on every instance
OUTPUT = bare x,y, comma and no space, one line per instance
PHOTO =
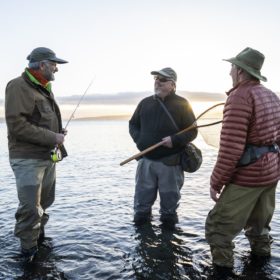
51,63
162,80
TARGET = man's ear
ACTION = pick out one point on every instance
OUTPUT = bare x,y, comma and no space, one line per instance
41,65
240,71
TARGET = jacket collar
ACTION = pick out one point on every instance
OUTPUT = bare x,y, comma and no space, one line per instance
37,86
243,83
36,78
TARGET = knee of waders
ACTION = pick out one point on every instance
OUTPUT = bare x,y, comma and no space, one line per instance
28,213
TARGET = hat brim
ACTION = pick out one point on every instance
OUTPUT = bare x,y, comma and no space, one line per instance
162,74
58,60
247,68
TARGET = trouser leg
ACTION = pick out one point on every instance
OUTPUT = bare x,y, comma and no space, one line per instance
47,194
170,182
145,189
29,175
228,217
48,186
257,227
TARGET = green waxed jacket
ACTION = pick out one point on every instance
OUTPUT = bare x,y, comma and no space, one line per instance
33,118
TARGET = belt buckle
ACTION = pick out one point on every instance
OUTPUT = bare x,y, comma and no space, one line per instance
276,147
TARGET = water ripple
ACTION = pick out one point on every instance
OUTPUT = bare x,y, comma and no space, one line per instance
90,234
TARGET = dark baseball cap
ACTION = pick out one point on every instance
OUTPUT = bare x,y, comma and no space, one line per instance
41,53
167,73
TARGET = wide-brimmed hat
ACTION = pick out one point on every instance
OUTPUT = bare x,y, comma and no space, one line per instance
41,53
251,61
167,73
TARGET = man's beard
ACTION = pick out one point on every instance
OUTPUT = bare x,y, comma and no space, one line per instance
50,77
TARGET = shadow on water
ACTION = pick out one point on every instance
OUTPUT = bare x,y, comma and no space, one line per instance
256,268
43,266
94,238
161,254
250,268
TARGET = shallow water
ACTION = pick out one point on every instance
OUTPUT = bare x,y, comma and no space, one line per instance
90,231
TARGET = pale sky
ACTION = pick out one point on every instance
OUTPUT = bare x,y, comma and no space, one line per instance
120,41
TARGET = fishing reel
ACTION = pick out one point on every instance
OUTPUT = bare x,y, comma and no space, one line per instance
59,152
56,155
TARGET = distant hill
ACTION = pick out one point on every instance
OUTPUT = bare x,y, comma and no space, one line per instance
105,118
127,98
132,98
203,96
109,99
99,118
122,98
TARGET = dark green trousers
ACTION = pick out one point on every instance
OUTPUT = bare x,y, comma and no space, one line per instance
240,208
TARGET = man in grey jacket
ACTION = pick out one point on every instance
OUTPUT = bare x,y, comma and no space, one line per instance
34,131
159,170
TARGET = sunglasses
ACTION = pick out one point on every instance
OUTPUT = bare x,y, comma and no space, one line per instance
162,80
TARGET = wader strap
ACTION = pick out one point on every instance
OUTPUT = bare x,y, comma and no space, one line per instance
253,153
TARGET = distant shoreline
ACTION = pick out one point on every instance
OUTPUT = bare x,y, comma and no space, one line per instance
99,118
104,118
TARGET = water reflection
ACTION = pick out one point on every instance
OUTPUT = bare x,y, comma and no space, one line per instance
257,268
93,237
162,254
43,265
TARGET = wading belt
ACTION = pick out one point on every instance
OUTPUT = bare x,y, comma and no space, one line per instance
252,153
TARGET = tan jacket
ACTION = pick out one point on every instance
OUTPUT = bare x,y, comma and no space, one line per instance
251,116
32,118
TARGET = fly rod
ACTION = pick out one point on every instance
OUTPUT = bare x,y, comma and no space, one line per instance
194,125
82,97
57,152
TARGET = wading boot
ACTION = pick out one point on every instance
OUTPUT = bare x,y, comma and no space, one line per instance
141,218
29,254
41,236
223,273
169,220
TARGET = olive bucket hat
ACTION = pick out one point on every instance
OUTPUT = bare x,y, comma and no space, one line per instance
251,61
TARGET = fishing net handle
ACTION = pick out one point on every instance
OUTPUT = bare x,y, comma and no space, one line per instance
142,153
197,126
212,107
194,125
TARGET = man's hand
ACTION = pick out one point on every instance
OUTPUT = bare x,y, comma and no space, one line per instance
167,142
64,131
59,137
214,194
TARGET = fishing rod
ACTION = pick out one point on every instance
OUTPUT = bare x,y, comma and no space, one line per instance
59,150
82,97
194,125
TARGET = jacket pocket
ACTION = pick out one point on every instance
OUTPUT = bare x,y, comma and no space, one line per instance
44,107
46,116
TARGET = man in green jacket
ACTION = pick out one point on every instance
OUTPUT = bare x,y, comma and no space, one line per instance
34,131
